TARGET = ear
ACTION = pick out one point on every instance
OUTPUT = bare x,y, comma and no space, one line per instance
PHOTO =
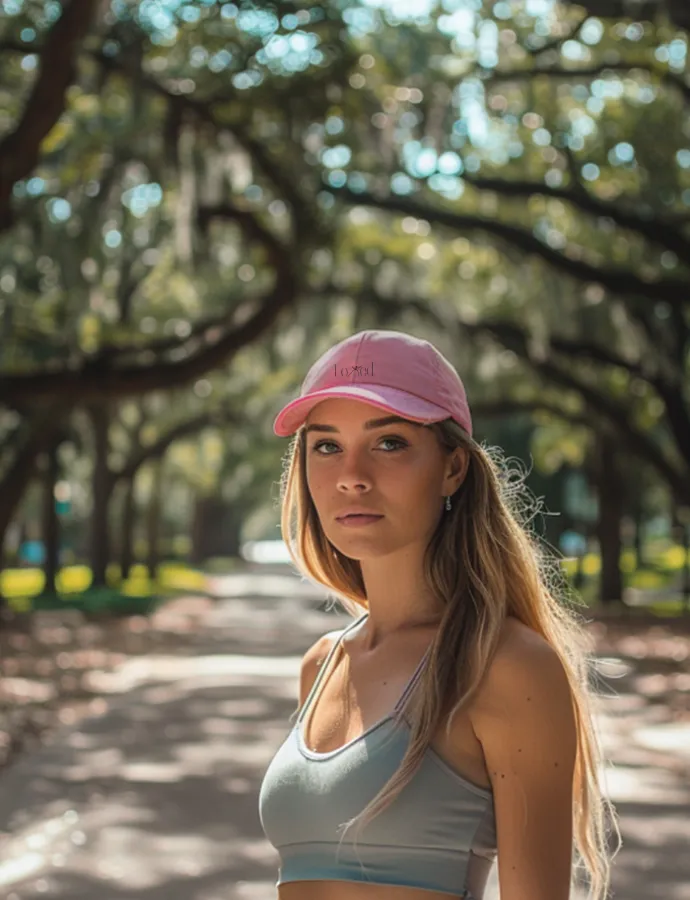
456,470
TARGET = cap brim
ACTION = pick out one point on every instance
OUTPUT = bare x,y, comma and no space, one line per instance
292,416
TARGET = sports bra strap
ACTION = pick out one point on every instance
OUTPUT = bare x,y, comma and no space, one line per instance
324,665
334,647
413,680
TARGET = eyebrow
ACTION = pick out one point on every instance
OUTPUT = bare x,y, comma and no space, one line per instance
368,426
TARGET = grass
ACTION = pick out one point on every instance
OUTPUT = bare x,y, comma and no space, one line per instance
23,588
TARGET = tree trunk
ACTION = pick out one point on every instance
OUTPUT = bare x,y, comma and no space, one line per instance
638,541
610,491
129,512
153,519
16,480
50,523
102,488
216,529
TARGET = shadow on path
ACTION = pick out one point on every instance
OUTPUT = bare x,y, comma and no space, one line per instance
156,799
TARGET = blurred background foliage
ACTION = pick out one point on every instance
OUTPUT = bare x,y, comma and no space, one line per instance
196,199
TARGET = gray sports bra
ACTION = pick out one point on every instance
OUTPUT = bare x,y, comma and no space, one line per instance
438,834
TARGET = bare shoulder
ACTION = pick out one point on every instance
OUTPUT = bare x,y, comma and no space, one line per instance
524,719
312,661
524,662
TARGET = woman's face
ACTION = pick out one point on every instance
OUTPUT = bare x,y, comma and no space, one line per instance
397,470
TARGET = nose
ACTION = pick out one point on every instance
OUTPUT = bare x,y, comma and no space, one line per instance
353,473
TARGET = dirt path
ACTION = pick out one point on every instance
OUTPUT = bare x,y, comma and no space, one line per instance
155,798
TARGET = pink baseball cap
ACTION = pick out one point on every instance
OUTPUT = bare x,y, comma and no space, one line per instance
389,369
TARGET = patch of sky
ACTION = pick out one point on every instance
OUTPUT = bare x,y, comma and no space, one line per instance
419,161
151,14
592,32
683,158
112,238
449,163
119,9
622,153
460,22
502,10
190,14
276,47
448,185
582,125
595,105
357,182
469,97
487,44
198,56
142,197
515,149
337,178
228,11
242,81
220,61
360,21
404,10
334,125
590,171
301,41
12,7
296,62
575,51
257,22
401,183
35,186
52,10
538,7
464,40
27,35
336,157
253,192
29,62
164,38
59,209
609,87
289,22
542,137
677,51
646,93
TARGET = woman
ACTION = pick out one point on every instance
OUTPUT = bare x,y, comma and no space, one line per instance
450,723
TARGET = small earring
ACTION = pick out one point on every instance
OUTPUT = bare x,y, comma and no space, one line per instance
448,502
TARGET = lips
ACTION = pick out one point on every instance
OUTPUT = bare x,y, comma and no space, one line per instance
359,516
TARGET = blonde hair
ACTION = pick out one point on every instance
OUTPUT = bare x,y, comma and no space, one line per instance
483,564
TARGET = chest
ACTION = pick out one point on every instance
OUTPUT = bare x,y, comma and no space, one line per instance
354,700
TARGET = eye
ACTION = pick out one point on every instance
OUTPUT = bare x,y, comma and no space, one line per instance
390,440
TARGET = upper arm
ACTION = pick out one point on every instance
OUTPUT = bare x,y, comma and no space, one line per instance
526,726
312,661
